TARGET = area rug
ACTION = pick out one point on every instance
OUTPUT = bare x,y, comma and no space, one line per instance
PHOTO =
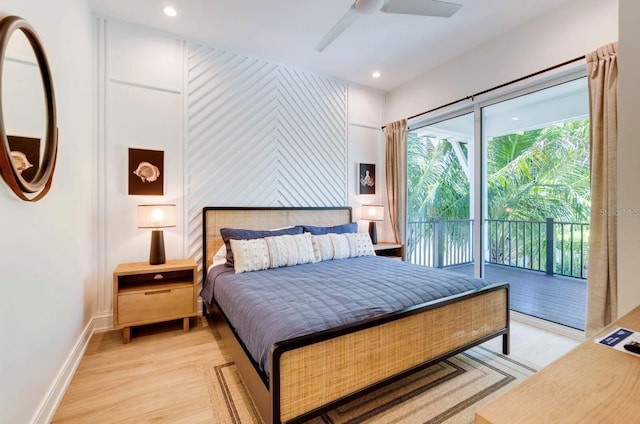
448,392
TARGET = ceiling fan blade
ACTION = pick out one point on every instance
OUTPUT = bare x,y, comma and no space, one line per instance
349,18
421,7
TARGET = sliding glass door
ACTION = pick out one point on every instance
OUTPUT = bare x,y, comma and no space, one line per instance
440,175
501,191
538,200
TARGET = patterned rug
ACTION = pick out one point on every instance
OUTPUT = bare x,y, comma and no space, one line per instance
448,392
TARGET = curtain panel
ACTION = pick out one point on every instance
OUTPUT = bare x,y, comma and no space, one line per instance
602,283
396,173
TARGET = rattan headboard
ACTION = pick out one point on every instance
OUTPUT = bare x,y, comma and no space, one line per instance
214,218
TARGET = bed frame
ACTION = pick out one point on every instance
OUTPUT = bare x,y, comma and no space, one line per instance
311,374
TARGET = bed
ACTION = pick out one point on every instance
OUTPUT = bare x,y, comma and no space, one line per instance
301,376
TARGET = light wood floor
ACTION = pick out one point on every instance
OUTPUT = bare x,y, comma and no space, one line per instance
156,379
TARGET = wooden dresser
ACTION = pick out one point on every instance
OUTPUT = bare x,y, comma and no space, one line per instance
144,294
590,384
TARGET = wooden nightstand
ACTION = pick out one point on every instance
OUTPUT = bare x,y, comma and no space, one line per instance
393,250
144,294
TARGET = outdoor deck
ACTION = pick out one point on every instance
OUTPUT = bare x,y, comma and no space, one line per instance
557,299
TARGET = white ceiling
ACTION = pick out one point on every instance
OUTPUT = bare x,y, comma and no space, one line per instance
401,47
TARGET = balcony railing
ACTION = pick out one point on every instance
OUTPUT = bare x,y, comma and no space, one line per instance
518,244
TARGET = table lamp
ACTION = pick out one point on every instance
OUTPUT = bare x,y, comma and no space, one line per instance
156,217
373,213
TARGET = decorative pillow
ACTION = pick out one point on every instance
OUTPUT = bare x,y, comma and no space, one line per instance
351,245
238,234
290,250
250,255
322,247
351,227
340,244
360,245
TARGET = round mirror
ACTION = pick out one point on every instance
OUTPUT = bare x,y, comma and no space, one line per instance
28,131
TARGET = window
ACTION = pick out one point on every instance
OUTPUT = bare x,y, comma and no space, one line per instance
501,190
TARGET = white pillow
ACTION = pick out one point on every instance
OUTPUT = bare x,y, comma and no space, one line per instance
341,248
288,250
249,255
351,245
360,245
322,247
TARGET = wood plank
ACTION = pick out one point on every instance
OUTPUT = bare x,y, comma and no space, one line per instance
555,298
592,383
155,378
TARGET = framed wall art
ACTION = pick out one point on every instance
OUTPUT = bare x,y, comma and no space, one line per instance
146,172
367,178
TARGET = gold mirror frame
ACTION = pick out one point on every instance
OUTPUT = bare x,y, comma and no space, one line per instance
42,180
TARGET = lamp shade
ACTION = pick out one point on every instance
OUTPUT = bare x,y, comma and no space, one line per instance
373,212
156,216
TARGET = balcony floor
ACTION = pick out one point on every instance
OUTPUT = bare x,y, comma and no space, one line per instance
558,299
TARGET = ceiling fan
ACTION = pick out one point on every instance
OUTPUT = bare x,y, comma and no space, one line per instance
407,7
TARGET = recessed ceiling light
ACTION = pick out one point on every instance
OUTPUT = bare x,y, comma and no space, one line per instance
376,74
170,11
515,118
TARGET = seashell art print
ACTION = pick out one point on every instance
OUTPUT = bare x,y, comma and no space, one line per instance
147,172
20,161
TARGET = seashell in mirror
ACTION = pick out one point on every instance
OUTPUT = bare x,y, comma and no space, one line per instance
20,161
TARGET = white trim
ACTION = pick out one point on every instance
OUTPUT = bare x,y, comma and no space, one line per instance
103,322
364,125
552,327
184,116
103,292
145,86
49,404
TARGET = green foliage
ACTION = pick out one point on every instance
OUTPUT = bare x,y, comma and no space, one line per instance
540,174
437,184
535,175
531,176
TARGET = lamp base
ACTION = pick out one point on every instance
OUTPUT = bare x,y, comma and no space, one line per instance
156,254
373,233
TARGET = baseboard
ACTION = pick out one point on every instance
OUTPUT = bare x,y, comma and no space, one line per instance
49,404
572,333
103,322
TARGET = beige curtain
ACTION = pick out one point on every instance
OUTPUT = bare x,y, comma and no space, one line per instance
396,173
602,288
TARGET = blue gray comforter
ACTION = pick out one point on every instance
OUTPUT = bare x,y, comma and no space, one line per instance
273,305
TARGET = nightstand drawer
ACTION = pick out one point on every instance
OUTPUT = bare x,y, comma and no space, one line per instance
155,304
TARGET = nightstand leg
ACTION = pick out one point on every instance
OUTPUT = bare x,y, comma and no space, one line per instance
185,325
126,335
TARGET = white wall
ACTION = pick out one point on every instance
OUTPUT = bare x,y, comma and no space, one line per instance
572,31
628,154
366,145
140,106
47,249
236,131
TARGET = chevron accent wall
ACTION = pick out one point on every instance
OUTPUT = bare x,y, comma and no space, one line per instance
260,134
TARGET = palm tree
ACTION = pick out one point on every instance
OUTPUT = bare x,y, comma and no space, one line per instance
437,184
531,176
540,174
